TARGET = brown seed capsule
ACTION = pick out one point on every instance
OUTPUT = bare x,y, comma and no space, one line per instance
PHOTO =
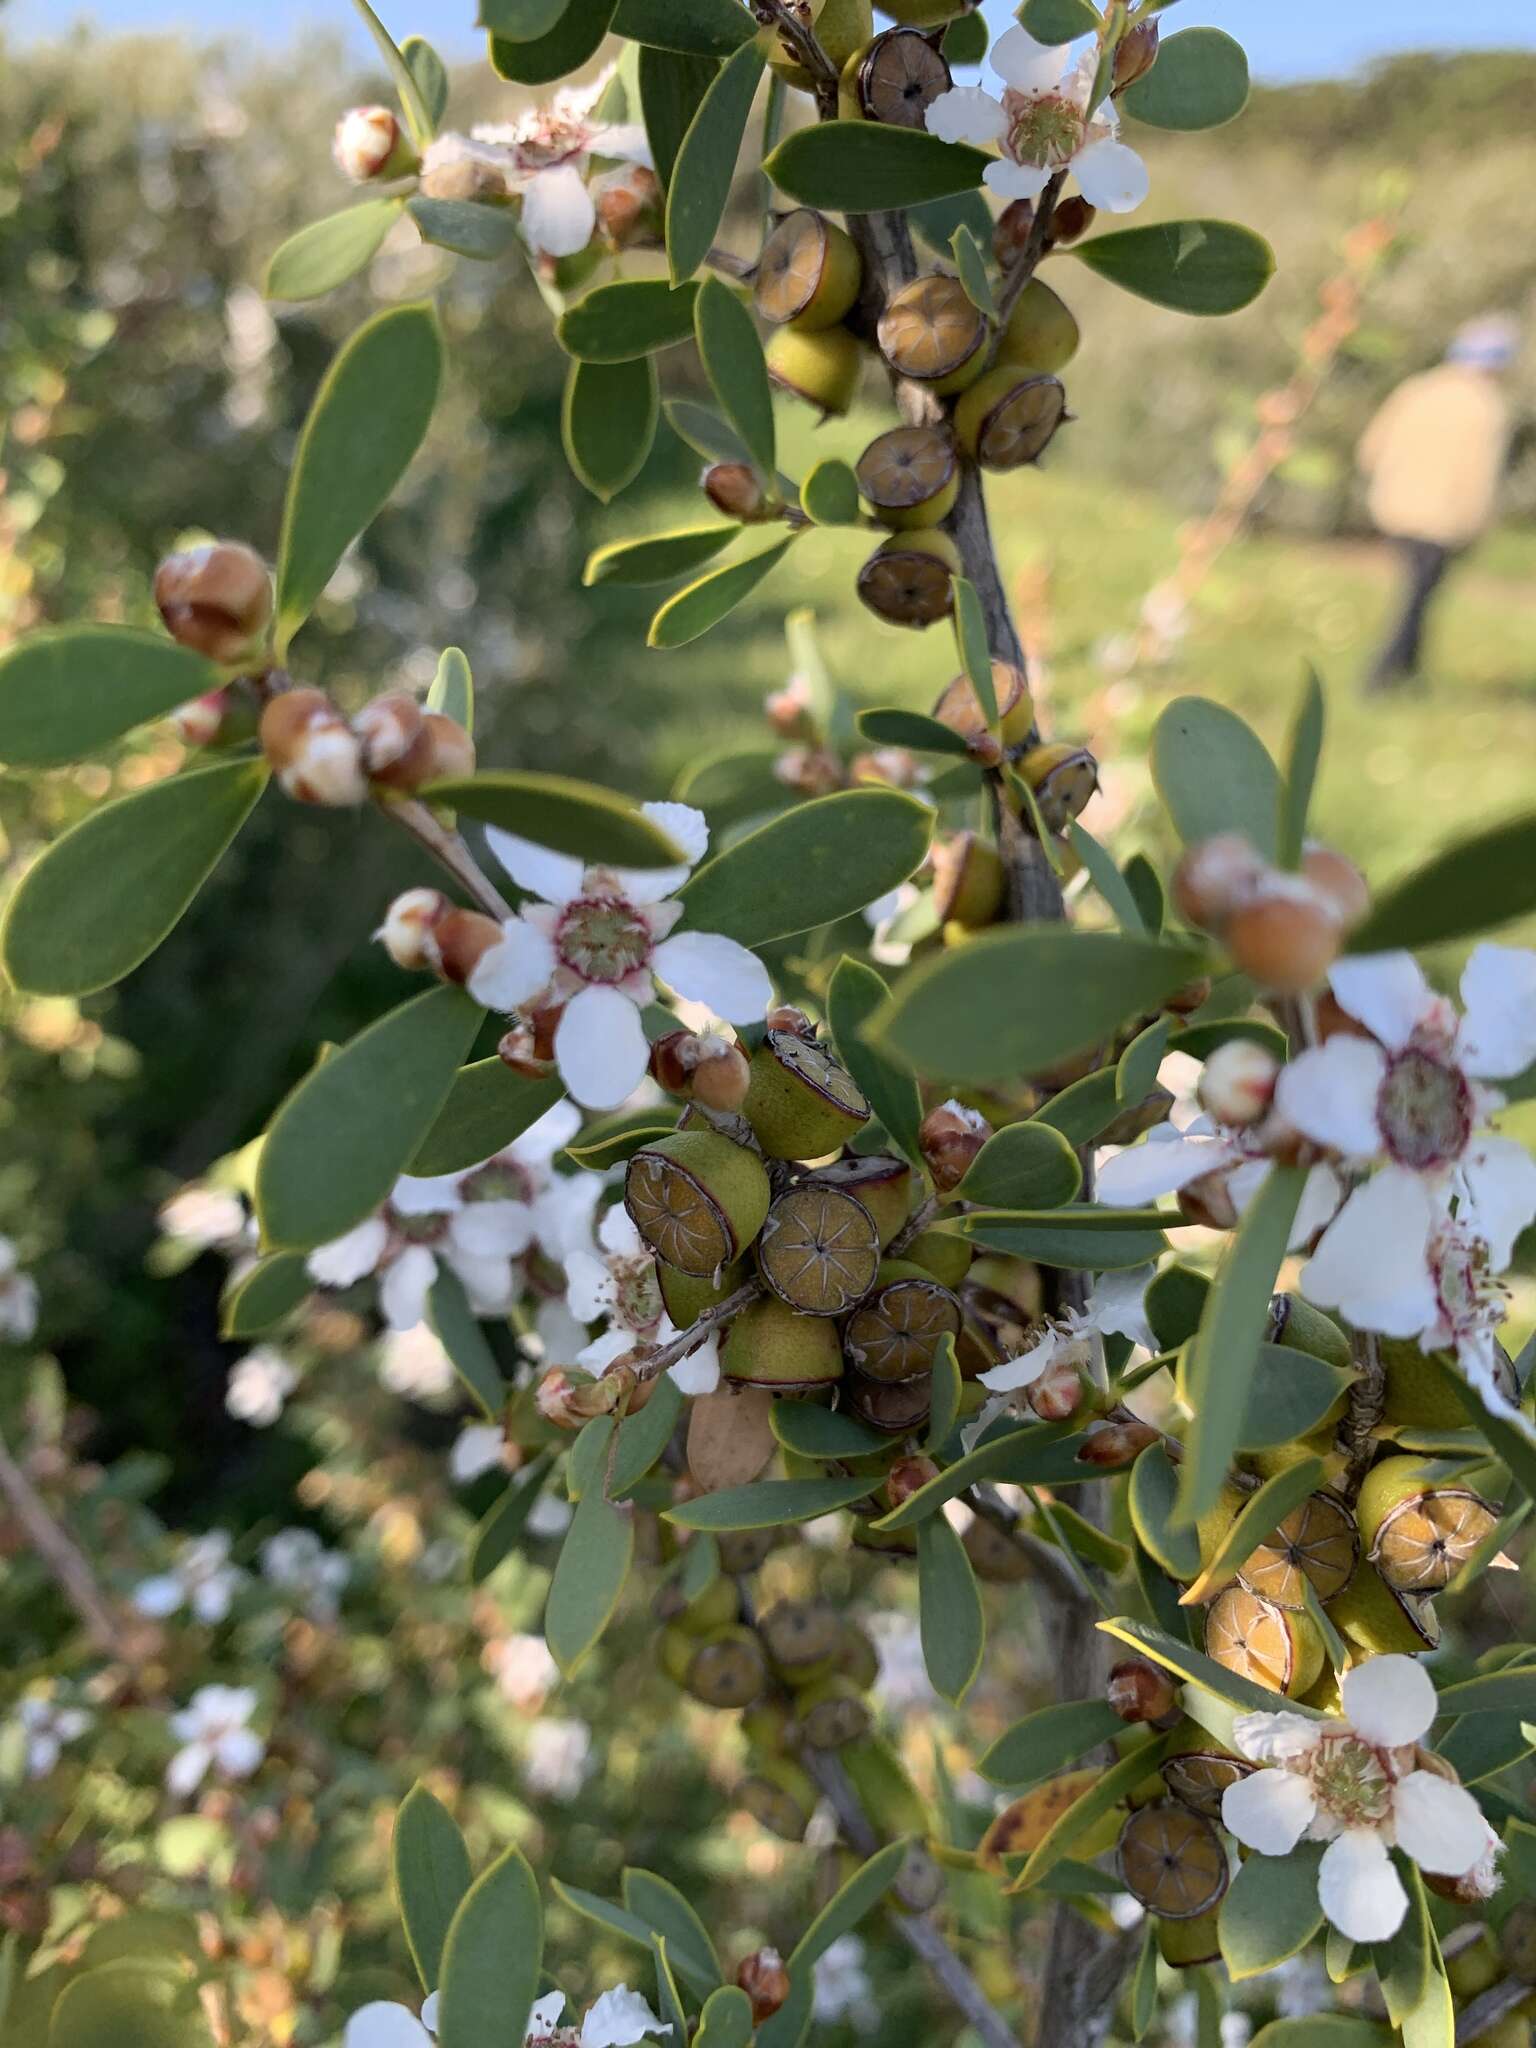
1286,938
909,579
313,752
736,489
932,332
1136,54
950,1137
908,1476
765,1980
464,937
1139,1691
215,599
899,78
893,1408
452,751
1214,876
409,930
1340,882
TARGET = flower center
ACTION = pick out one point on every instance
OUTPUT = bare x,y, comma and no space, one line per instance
1047,132
428,1229
602,938
637,1302
1470,1297
1425,1110
1351,1781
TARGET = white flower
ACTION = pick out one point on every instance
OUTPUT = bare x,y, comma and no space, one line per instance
595,944
413,1364
477,1450
203,1216
18,1297
1115,1308
1171,1159
1411,1096
557,1757
47,1727
296,1561
215,1733
1042,126
523,1668
840,1984
1358,1785
469,1221
548,152
202,1578
258,1386
620,1282
619,2019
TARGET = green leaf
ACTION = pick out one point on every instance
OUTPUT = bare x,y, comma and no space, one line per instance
975,654
453,688
488,1106
811,1431
265,1295
1305,751
367,421
501,1529
1197,1669
1214,775
430,74
659,558
1200,80
830,496
947,1389
936,221
1495,1692
66,692
1470,887
768,1504
666,1912
418,117
1028,1456
954,1629
692,612
102,897
1059,21
1261,1515
643,1437
694,1970
1023,1166
1019,1000
855,994
1322,2030
589,1577
849,1905
1174,1303
566,816
459,1333
966,40
524,21
732,355
700,184
617,322
716,440
1223,1357
1040,1744
1100,1798
1064,1237
467,227
971,266
672,88
1083,1110
608,419
492,1959
1109,881
352,1126
610,1144
132,2002
862,167
1270,1912
1192,266
1137,1068
1289,1395
430,1867
726,2021
1146,887
889,726
1151,1502
575,37
1404,1963
1144,1982
703,28
819,862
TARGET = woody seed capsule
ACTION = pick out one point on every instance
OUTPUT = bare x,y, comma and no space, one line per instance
215,599
313,752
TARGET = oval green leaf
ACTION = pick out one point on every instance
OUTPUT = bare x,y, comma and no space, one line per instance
460,1334
700,183
430,73
830,494
1214,774
855,995
617,322
768,1504
704,604
329,251
487,1107
265,1295
430,1866
589,1577
726,2021
67,692
1200,80
1473,886
811,1431
608,421
1025,1166
697,28
1040,1744
666,1912
658,559
1058,21
492,1958
575,37
1203,267
1151,1499
848,1906
567,816
465,226
889,726
950,1616
733,357
522,21
1270,1912
862,167
1195,1668
453,688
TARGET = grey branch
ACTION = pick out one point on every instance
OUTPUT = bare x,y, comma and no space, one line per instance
656,1362
59,1554
1484,2013
447,847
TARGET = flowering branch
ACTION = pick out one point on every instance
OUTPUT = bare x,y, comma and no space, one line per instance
661,1360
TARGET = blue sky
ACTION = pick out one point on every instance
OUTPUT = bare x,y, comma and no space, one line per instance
1284,38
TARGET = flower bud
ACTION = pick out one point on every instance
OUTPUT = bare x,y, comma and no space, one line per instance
1012,232
1194,995
1208,1201
950,1137
1136,53
736,489
1214,877
721,1074
628,202
1237,1084
814,771
895,767
215,599
765,1980
567,1398
1058,1392
1340,882
409,930
906,1477
1287,938
1071,220
314,753
1139,1691
451,750
464,937
789,710
370,143
392,733
518,1049
669,1065
787,1018
458,173
200,721
1116,1442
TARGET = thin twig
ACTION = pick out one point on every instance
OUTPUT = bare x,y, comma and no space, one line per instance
1022,272
447,847
1045,1557
800,41
64,1560
1485,2012
701,1327
913,1228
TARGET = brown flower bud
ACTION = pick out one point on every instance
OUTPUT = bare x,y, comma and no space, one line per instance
370,143
789,710
736,489
1208,1201
1194,995
392,734
1340,882
1058,1392
567,1398
1287,938
628,202
670,1069
950,1137
1237,1084
906,1477
464,937
1071,220
529,1047
1012,232
451,750
814,771
1139,1691
409,930
1214,877
314,753
1136,54
1116,1442
200,721
721,1075
787,1018
215,599
765,1980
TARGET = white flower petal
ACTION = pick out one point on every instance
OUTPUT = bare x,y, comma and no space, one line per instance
1026,65
545,2016
1498,993
385,2025
558,214
1440,1825
1360,1892
1268,1810
435,1194
550,1134
1321,1194
476,1451
699,1372
1387,992
1111,176
600,1048
1499,1177
1117,1305
346,1259
967,114
1329,1094
238,1751
597,1356
404,1289
1161,1166
619,2019
188,1768
623,139
1275,1738
487,1281
704,967
1373,1261
429,2012
510,974
688,830
159,1596
554,876
1025,1369
1015,181
491,1230
1389,1700
589,1286
617,1234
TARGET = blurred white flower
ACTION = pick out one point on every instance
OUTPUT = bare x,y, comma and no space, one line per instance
620,1282
551,1516
619,2019
841,1989
201,1578
557,1756
203,1216
523,1669
902,1681
297,1562
215,1733
427,1220
258,1386
18,1297
47,1726
413,1363
479,1449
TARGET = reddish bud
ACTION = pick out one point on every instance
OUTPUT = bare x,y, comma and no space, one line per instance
1237,1084
721,1075
1340,883
1011,234
518,1049
568,1398
408,932
464,937
451,750
765,1980
950,1137
215,599
787,1018
392,734
1071,220
200,721
370,143
670,1069
628,202
1208,1201
1138,1691
1058,1392
736,489
1214,877
1116,1442
313,752
1287,938
814,771
908,1476
790,711
1136,53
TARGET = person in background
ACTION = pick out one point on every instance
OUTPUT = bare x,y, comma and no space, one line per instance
1434,457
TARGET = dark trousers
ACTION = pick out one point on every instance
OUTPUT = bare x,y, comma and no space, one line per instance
1424,565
